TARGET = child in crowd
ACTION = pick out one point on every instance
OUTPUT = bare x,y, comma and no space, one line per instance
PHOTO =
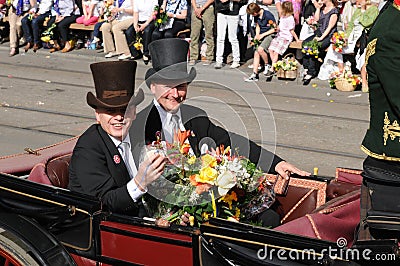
90,13
104,9
264,34
285,34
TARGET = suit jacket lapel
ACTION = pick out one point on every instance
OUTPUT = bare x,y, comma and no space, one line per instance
118,171
143,130
153,125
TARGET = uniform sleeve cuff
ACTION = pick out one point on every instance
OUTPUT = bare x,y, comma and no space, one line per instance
134,191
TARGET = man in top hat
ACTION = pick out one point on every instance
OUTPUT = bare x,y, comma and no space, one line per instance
168,80
102,163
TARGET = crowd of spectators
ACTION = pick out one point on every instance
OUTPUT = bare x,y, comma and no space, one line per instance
125,28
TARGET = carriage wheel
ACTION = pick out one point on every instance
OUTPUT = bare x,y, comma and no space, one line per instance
13,251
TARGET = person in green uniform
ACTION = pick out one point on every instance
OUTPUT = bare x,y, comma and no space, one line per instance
381,176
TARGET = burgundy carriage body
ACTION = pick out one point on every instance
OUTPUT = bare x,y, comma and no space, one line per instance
93,236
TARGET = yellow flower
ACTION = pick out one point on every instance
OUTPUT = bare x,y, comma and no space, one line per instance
237,213
45,38
227,150
228,198
207,175
192,160
205,215
159,21
208,161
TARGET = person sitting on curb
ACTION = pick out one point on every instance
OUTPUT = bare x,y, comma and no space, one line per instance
264,34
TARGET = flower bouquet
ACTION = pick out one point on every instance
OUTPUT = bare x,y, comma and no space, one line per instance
159,16
312,22
255,42
338,41
108,15
216,184
344,80
311,48
287,67
138,42
47,35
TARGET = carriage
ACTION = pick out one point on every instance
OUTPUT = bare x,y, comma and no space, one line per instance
43,223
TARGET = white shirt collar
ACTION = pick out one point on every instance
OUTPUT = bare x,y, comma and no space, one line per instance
165,121
164,115
117,141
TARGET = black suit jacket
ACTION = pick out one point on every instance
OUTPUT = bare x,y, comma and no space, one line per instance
148,122
96,170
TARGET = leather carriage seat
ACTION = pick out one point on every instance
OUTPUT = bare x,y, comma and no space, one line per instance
337,188
304,196
54,172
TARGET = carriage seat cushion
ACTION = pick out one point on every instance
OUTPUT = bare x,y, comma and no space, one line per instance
54,172
337,188
335,219
304,196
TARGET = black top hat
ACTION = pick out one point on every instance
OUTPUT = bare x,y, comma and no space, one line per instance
169,60
115,85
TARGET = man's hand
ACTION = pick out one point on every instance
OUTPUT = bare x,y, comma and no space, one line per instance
150,169
284,169
142,27
185,219
198,11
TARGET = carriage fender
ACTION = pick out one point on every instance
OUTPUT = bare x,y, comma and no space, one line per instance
41,244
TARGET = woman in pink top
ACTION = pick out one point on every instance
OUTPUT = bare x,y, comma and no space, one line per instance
285,34
90,13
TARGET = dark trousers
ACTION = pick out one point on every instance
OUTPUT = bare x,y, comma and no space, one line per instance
32,27
130,34
169,33
62,29
96,30
310,62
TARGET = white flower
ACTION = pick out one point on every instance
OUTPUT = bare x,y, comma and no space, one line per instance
225,181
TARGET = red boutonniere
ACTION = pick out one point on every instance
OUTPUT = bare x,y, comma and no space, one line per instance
117,159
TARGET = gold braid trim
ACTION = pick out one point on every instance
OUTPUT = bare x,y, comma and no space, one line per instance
314,227
390,130
379,156
333,209
297,205
370,50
